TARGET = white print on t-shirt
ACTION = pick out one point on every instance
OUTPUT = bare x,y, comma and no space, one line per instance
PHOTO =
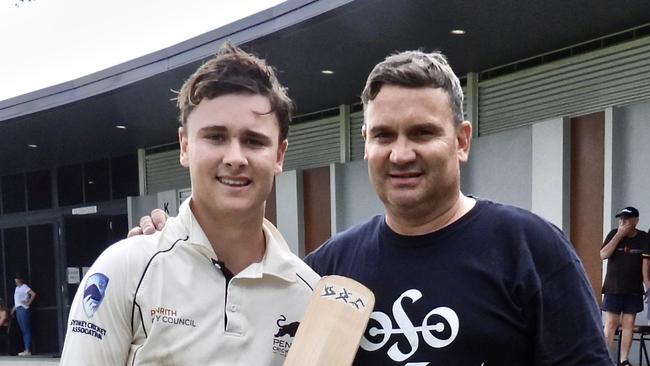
405,326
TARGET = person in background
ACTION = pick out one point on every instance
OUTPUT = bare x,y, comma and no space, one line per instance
5,314
23,298
626,251
5,322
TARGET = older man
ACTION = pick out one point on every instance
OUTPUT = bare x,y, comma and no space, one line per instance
626,249
458,280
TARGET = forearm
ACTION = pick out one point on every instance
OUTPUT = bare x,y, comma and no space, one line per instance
645,269
32,296
610,247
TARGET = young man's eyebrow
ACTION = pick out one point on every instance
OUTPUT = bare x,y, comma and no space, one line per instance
247,133
257,136
213,128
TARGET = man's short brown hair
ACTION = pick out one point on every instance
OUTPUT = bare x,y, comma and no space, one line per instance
233,71
416,69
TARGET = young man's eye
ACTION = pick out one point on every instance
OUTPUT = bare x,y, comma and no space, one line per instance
255,143
216,137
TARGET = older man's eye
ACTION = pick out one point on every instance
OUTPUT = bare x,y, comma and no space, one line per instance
382,136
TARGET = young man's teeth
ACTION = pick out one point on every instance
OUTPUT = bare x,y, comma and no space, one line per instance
233,182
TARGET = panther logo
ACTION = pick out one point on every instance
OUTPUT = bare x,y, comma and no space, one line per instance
285,329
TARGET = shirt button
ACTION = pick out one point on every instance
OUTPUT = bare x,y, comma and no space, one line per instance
233,308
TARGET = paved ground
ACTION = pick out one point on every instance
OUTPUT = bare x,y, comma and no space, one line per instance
28,361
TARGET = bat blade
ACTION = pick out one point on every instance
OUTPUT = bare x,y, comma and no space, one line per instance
333,324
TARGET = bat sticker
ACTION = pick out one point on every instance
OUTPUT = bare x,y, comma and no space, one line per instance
343,295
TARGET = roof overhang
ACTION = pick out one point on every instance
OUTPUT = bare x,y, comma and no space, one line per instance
75,121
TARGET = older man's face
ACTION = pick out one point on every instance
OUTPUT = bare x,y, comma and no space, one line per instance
414,148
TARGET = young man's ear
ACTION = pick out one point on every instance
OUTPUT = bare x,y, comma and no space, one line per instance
282,149
182,141
464,139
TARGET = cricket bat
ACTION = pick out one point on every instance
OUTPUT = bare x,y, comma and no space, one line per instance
333,324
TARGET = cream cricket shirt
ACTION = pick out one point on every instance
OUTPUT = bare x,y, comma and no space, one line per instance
162,300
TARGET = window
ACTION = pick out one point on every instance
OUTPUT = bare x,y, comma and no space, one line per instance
70,185
41,250
125,176
13,193
39,190
96,181
15,243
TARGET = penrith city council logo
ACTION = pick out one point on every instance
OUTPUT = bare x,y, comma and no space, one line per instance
94,293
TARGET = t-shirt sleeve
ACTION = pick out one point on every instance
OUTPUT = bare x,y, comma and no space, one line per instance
608,237
99,328
310,260
569,327
319,258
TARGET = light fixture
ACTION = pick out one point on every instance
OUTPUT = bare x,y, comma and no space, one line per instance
327,72
33,146
120,127
457,32
91,182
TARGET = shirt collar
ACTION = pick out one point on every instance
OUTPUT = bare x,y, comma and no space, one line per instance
278,260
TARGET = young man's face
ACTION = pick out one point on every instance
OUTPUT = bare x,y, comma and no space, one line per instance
230,144
414,148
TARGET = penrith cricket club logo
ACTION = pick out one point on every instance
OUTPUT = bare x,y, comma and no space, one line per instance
283,338
438,329
94,293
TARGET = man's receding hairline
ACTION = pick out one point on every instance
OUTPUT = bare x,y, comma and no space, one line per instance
449,97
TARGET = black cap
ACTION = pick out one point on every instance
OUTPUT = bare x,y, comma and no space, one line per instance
628,212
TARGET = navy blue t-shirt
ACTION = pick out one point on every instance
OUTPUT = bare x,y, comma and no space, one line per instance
498,287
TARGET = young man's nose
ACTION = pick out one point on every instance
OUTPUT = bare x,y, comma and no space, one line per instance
234,155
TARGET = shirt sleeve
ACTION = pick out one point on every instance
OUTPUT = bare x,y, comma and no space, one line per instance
99,324
569,328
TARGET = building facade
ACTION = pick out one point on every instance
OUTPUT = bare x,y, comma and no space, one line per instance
562,133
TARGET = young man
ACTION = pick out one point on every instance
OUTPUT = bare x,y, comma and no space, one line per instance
626,249
219,284
457,280
23,298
